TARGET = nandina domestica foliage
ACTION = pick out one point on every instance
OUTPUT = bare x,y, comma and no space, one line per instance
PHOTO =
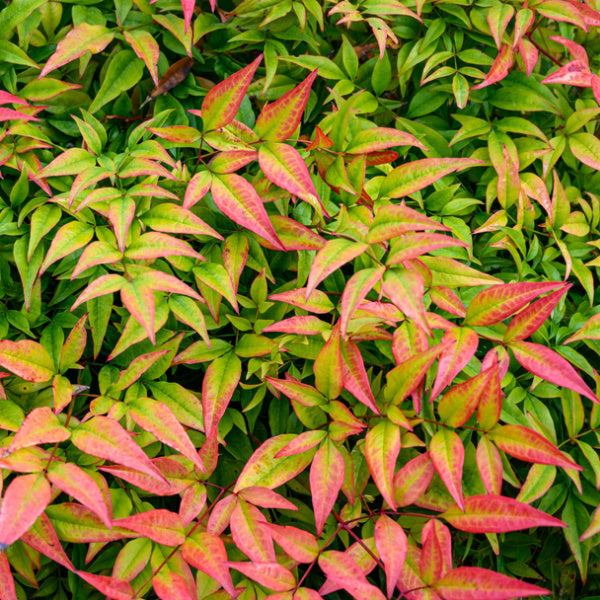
298,299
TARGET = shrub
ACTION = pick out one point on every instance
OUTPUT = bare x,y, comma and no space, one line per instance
298,299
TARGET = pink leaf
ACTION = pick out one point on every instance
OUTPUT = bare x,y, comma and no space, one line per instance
474,583
436,556
551,366
447,454
499,69
326,479
268,574
382,447
497,514
392,544
528,445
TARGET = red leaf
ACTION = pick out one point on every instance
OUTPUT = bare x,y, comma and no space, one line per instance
169,585
279,120
499,69
298,544
447,454
40,426
238,200
436,556
528,445
74,481
474,583
463,345
551,366
326,480
109,586
343,570
221,103
392,544
529,54
576,72
303,393
408,341
531,318
382,447
375,139
413,479
7,583
188,11
207,553
220,514
266,498
497,514
271,575
24,500
42,537
105,438
218,385
160,525
193,502
157,418
501,301
412,246
248,533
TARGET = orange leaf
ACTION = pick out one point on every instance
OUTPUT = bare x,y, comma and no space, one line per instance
81,39
24,500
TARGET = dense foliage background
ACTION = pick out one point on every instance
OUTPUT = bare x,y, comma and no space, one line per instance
298,299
